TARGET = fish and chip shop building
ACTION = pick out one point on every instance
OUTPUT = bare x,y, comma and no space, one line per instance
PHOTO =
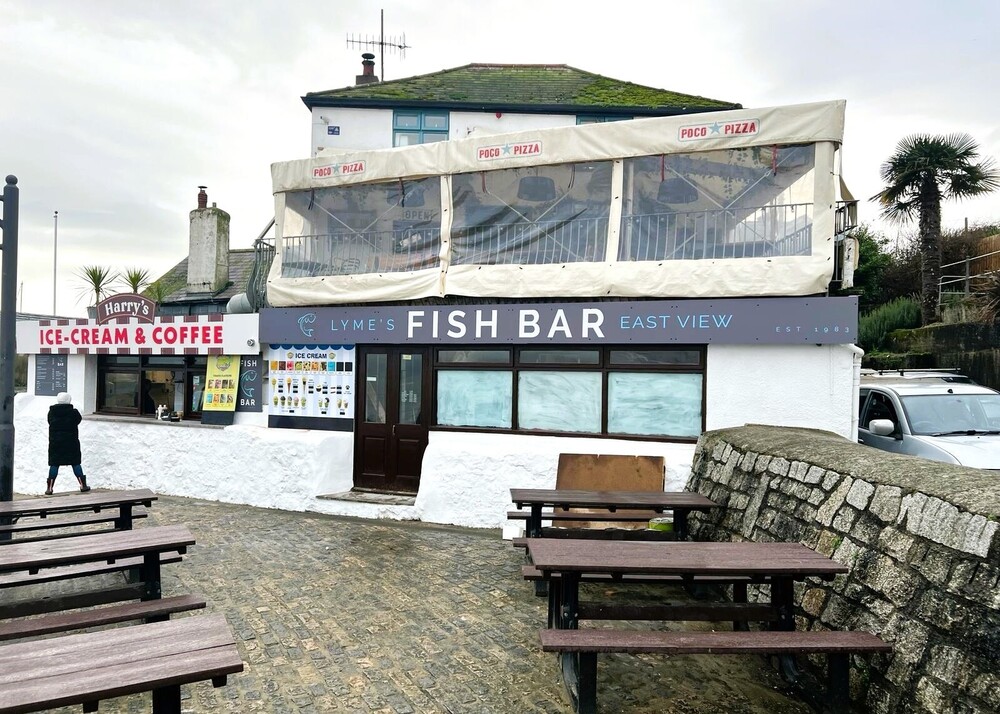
447,318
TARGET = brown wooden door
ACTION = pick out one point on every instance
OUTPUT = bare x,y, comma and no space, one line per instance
391,434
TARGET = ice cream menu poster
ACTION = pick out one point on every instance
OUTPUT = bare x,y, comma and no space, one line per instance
311,382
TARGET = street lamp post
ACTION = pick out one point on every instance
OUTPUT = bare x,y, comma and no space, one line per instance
8,295
55,244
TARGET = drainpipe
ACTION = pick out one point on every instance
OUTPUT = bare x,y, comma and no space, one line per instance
856,384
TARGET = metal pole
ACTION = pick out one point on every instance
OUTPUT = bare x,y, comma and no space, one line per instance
8,307
55,244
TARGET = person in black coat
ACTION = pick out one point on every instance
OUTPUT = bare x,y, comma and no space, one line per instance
64,441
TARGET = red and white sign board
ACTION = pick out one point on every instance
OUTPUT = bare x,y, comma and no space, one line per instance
168,335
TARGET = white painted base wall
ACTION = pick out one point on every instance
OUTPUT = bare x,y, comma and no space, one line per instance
466,478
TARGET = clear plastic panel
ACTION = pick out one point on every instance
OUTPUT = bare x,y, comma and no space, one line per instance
529,216
738,203
362,228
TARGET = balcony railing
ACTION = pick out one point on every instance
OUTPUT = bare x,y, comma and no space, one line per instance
581,240
778,230
767,231
356,253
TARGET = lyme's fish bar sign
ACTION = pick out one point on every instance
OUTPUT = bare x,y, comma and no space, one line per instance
756,321
181,334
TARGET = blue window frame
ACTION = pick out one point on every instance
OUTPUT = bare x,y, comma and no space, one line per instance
416,127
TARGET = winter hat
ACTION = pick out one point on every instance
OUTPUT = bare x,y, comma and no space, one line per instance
63,398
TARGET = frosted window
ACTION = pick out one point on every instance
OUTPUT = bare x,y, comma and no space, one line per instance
475,398
560,401
642,403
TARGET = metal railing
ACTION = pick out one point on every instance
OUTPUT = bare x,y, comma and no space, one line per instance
960,284
778,230
263,256
360,252
766,231
538,243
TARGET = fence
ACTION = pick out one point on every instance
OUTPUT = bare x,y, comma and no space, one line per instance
959,279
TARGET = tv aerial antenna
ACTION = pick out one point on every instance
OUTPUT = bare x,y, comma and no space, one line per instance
393,42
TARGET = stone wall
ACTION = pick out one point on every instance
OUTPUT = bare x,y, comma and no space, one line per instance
921,539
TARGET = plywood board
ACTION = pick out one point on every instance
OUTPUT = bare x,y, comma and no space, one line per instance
608,472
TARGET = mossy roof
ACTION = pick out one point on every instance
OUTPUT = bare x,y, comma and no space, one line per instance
241,262
518,86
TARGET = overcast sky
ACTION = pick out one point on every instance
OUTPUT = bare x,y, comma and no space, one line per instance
113,113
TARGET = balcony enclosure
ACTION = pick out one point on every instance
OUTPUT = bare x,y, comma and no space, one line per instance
657,223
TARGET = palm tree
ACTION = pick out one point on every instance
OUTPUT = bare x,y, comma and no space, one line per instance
923,171
98,280
135,278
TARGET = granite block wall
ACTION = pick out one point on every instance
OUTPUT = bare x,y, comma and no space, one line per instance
921,538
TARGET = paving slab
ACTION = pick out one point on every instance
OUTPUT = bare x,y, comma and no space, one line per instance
385,617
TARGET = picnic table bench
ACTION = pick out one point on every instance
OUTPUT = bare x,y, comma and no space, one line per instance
117,506
147,610
612,503
142,550
85,668
567,563
585,644
69,524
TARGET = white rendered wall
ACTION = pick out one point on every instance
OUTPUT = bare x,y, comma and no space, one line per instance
784,385
466,478
359,129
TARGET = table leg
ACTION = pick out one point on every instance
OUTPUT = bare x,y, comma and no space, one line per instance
681,523
151,576
167,700
783,599
124,520
569,611
578,670
534,525
534,530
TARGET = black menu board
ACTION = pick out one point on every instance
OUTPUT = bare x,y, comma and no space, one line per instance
50,375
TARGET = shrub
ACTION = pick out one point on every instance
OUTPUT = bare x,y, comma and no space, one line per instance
898,314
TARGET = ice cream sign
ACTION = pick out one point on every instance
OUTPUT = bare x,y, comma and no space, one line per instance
719,129
188,334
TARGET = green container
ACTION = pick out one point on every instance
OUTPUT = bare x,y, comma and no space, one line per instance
661,524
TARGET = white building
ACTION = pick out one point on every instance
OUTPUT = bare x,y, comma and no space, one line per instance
449,317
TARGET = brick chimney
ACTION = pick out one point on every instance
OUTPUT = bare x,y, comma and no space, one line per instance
367,75
208,247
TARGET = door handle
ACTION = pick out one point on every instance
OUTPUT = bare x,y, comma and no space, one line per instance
394,430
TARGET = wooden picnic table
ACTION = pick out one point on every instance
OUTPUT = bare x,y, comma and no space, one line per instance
565,561
148,543
92,501
681,503
779,564
88,667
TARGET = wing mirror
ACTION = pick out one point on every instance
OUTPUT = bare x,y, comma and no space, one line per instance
882,427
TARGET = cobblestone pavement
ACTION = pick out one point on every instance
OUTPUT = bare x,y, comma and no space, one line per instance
357,616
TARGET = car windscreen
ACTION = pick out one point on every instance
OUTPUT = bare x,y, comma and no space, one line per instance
929,414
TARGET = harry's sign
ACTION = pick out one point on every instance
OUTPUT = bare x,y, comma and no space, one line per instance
126,305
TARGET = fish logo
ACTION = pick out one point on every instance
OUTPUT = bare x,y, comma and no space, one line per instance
307,319
248,378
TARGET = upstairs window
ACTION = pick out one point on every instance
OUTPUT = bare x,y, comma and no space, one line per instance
415,127
598,119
